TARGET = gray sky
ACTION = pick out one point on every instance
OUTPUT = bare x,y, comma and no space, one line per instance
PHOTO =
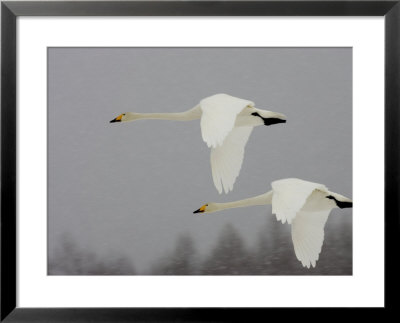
131,188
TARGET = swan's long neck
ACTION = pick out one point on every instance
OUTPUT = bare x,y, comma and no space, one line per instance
191,114
262,199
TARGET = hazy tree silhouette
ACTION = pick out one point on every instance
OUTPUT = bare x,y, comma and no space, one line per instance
182,261
263,253
272,254
229,256
68,259
336,256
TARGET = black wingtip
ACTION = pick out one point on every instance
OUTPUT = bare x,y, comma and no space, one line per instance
198,211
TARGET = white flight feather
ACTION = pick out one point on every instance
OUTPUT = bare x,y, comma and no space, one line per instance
218,118
226,123
303,204
290,195
308,235
226,160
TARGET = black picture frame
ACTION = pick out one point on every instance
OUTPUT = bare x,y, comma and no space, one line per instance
10,10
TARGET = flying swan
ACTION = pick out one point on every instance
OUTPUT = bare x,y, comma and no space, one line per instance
226,124
303,204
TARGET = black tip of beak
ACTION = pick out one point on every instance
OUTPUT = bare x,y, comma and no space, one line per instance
198,211
115,120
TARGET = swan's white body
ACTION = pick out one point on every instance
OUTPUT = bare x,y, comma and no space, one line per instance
304,205
226,124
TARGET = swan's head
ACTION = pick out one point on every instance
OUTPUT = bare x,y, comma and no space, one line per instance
127,116
207,208
120,118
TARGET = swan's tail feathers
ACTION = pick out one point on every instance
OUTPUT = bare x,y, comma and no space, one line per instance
226,160
341,201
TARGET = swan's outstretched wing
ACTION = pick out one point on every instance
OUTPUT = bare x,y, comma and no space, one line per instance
290,195
218,117
308,235
226,160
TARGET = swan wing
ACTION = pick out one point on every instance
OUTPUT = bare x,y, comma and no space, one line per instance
289,196
308,235
226,160
218,117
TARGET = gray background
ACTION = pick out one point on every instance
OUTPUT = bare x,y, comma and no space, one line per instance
122,195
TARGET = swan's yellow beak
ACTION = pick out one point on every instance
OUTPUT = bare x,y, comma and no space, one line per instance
202,209
117,119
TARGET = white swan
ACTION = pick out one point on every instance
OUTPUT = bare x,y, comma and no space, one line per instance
305,205
226,124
